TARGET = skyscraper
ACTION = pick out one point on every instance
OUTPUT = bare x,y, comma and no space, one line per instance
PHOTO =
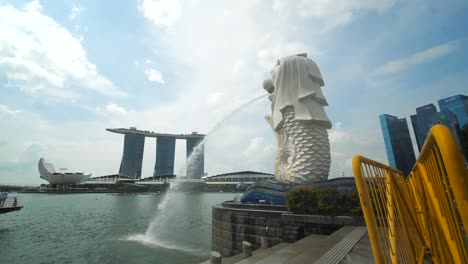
398,144
447,118
424,122
165,156
458,105
415,125
132,158
195,158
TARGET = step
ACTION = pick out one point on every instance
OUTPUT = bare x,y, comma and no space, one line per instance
256,254
340,250
333,248
361,253
314,245
289,252
262,253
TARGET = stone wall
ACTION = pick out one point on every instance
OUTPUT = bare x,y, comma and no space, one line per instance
234,223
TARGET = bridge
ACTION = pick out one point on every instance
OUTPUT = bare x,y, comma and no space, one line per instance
422,216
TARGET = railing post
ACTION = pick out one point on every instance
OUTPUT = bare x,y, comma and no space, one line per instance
263,240
368,211
215,257
246,249
391,218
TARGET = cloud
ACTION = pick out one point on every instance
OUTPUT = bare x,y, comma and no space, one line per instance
160,12
259,155
338,135
334,13
257,146
215,54
266,57
116,109
75,12
5,110
37,55
421,57
153,75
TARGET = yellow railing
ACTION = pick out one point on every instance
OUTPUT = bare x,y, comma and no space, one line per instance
410,219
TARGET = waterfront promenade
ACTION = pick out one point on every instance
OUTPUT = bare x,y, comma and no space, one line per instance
349,244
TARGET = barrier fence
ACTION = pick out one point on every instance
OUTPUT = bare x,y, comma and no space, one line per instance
10,201
419,217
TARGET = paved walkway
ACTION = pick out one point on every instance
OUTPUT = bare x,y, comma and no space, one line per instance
350,244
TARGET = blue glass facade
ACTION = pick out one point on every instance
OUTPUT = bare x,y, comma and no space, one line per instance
447,118
195,162
414,122
397,141
132,158
458,105
424,117
165,156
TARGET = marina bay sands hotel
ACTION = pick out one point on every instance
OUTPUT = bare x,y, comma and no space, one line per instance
134,143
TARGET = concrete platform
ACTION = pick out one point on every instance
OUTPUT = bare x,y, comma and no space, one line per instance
309,249
4,210
350,244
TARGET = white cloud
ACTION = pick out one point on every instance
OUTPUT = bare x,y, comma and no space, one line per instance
30,137
259,155
161,12
215,54
266,57
75,12
421,57
338,135
37,55
116,109
334,13
255,147
154,75
5,110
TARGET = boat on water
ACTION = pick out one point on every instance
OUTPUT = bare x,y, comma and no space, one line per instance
10,204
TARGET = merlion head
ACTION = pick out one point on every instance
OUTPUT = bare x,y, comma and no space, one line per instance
296,81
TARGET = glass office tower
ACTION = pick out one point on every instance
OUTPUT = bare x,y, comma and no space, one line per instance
424,116
415,125
447,118
132,158
458,105
398,144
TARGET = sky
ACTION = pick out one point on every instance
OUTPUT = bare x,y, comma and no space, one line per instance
70,69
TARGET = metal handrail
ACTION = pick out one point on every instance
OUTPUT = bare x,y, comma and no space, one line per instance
409,217
11,201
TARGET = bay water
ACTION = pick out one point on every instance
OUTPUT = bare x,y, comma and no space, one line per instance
106,228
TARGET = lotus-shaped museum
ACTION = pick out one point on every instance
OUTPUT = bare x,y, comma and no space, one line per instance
63,177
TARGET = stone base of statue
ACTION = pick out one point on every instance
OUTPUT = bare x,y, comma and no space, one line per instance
273,192
267,192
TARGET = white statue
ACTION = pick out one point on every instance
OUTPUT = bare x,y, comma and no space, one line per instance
299,120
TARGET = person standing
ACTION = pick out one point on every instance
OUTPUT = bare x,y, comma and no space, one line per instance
3,196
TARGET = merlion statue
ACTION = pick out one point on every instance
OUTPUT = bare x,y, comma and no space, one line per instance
299,120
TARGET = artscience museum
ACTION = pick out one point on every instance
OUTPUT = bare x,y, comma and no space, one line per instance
61,177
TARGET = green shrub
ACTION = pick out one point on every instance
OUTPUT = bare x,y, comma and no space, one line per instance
302,200
312,200
327,200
